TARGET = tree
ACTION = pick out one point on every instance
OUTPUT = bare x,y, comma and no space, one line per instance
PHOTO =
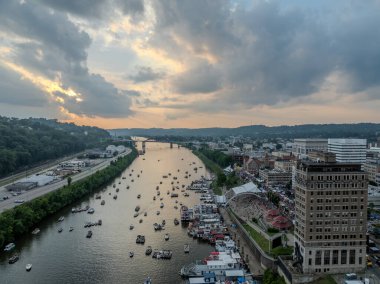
69,180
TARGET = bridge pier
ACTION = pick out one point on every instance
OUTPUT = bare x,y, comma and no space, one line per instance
143,147
171,145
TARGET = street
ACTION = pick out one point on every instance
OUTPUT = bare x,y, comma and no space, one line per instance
29,195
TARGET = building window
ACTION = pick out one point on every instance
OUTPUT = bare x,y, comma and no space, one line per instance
327,257
343,257
352,256
318,257
335,257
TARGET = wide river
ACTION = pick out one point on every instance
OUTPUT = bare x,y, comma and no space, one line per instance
70,257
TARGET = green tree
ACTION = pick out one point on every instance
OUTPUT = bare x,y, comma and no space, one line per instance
69,180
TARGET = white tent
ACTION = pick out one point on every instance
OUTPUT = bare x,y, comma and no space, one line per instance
245,188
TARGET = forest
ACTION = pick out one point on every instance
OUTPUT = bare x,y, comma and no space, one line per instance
27,142
23,218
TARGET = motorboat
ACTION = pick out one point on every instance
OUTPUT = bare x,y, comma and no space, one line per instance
28,267
154,197
139,196
117,189
158,192
36,231
13,259
163,222
175,207
161,198
140,239
89,234
71,229
176,222
141,220
131,227
9,247
166,237
60,219
103,202
162,205
91,211
100,222
60,230
137,209
115,197
145,214
136,214
158,212
131,254
186,248
148,250
98,196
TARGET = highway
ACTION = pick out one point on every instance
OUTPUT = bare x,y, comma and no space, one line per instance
36,192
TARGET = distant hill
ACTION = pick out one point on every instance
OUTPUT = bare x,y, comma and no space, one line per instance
359,130
25,142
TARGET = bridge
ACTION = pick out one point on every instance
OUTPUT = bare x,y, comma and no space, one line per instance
155,141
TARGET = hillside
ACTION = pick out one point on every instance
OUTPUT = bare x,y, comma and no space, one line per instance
360,130
25,142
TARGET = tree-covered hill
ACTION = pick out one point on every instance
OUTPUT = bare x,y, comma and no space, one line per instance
24,142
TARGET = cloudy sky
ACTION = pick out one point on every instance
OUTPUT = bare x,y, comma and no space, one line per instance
190,63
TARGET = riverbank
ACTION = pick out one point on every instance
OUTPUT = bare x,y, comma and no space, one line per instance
23,218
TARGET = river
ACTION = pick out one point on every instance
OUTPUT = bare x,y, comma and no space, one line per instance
70,257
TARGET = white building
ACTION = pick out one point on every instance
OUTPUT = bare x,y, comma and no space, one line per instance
74,165
302,147
348,150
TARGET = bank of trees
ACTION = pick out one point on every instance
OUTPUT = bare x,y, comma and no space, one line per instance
218,157
25,142
23,218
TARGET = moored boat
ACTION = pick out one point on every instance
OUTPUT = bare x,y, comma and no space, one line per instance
36,231
186,248
60,230
28,267
148,250
60,219
166,237
9,247
13,259
89,234
137,209
91,211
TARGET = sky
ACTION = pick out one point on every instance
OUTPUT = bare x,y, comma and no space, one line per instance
190,63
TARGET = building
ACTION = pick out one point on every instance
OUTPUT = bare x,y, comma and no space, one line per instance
348,150
330,217
275,177
73,165
372,166
285,165
302,147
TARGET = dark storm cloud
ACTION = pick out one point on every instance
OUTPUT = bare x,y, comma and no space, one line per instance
95,9
266,54
55,47
200,79
16,91
145,74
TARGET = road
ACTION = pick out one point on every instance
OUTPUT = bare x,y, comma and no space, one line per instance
31,194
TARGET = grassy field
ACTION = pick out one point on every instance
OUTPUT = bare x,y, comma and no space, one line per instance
264,243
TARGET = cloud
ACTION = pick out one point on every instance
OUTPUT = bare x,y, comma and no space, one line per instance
146,74
56,48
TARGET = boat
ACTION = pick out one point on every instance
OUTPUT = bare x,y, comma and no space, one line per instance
103,202
163,222
136,214
89,234
161,198
157,187
186,248
157,227
174,195
148,250
115,197
28,267
166,237
139,196
13,259
158,192
73,210
141,220
98,196
91,211
140,239
131,227
131,254
160,182
123,177
119,182
36,231
60,219
137,209
100,222
138,176
186,194
60,230
154,197
71,229
175,207
148,281
162,205
165,176
162,254
114,185
9,247
168,192
117,189
132,180
127,186
158,212
176,222
145,214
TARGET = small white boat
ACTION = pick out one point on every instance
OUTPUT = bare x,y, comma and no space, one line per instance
9,247
131,254
166,237
61,219
28,267
36,231
186,248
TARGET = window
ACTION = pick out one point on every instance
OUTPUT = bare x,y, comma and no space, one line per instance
327,257
318,257
335,257
352,256
343,257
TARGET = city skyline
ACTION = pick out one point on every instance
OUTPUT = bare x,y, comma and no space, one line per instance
125,64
